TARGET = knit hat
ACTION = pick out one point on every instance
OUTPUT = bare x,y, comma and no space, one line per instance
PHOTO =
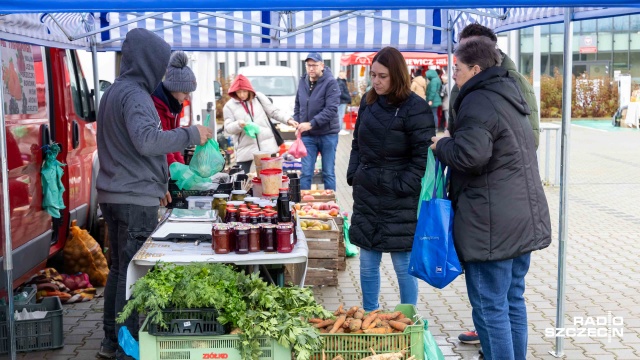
179,77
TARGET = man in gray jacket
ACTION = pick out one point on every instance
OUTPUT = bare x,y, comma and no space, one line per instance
133,177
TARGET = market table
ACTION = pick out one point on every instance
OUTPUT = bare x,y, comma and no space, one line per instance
183,253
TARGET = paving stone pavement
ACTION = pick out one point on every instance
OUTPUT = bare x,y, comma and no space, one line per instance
602,261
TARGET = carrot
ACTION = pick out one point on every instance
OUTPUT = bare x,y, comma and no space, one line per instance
401,316
378,331
405,321
397,325
352,311
339,311
324,323
357,332
355,324
369,319
338,324
375,323
315,320
347,323
389,316
339,331
358,314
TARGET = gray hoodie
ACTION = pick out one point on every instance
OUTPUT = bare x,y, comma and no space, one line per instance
132,147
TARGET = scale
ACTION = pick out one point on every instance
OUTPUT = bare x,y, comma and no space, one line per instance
182,231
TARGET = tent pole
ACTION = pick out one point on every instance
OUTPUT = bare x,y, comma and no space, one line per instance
449,35
6,220
564,166
96,79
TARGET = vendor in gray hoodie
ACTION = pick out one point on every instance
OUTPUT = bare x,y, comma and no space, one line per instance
133,177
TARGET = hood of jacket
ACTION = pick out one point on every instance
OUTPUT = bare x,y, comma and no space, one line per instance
240,83
145,56
431,74
507,63
495,79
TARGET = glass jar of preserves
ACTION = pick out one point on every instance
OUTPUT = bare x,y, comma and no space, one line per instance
221,241
242,239
284,238
220,204
254,238
238,195
268,239
254,218
231,216
244,217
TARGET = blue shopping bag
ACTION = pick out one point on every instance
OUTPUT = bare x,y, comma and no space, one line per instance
433,256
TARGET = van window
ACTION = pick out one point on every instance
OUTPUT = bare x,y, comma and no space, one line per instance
274,85
24,80
78,84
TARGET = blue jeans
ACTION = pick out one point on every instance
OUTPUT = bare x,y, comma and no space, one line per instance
496,293
370,278
326,145
342,109
129,226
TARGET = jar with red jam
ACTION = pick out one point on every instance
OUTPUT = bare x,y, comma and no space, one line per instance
244,217
220,242
268,238
254,238
232,215
242,239
284,238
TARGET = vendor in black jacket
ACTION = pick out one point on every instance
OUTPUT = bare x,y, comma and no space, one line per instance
501,212
388,159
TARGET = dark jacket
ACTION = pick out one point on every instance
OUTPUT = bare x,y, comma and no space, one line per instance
320,106
387,163
169,110
501,211
345,96
527,91
132,148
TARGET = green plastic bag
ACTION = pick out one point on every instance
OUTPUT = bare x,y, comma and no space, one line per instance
251,129
350,249
431,349
207,160
429,181
52,187
185,178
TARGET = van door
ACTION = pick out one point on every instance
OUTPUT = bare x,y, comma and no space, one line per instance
27,120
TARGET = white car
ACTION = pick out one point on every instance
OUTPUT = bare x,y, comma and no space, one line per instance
278,83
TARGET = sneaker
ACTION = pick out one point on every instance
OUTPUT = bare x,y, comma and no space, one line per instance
107,349
344,132
469,337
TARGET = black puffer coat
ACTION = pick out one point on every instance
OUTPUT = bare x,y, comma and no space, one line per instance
501,211
388,160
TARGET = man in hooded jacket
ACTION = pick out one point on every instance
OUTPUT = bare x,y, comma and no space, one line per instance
133,177
316,111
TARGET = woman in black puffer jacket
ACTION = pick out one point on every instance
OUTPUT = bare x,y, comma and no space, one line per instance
501,212
388,159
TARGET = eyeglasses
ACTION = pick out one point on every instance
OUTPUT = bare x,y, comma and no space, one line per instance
456,69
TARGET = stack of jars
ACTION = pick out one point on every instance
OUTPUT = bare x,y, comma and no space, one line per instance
245,238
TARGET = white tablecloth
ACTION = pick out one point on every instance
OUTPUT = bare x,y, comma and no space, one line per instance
183,253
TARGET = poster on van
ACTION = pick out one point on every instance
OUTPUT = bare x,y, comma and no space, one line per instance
18,78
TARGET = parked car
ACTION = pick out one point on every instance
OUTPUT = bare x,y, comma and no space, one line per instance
278,83
46,99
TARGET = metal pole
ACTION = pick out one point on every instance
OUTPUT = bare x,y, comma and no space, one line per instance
96,79
449,56
564,167
536,65
6,217
547,154
556,176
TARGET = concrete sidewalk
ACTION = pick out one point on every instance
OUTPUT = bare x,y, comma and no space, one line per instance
602,260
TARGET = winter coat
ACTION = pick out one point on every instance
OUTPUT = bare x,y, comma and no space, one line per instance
433,88
387,162
320,106
445,99
169,110
500,208
525,87
233,111
345,95
419,86
132,148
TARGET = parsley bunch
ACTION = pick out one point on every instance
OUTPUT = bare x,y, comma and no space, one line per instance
243,301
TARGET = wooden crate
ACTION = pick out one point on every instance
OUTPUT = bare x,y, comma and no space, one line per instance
342,255
332,233
321,277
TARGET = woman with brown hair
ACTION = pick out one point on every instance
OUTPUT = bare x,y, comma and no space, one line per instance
388,159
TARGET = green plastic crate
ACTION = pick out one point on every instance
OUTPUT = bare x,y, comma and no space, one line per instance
37,334
358,346
203,347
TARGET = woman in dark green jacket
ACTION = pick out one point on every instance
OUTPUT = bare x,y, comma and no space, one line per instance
433,92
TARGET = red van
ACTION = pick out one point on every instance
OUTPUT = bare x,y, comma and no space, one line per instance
46,100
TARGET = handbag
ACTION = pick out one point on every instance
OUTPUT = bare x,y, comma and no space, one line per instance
274,129
433,255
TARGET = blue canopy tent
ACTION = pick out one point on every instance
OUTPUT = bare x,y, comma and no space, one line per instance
284,25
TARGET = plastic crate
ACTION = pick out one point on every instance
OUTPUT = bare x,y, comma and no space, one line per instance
179,197
203,347
38,334
188,322
358,346
31,291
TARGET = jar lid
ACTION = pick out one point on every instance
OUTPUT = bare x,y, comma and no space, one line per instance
254,213
253,227
268,226
257,180
242,228
244,213
284,226
220,226
232,210
235,203
221,196
238,192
